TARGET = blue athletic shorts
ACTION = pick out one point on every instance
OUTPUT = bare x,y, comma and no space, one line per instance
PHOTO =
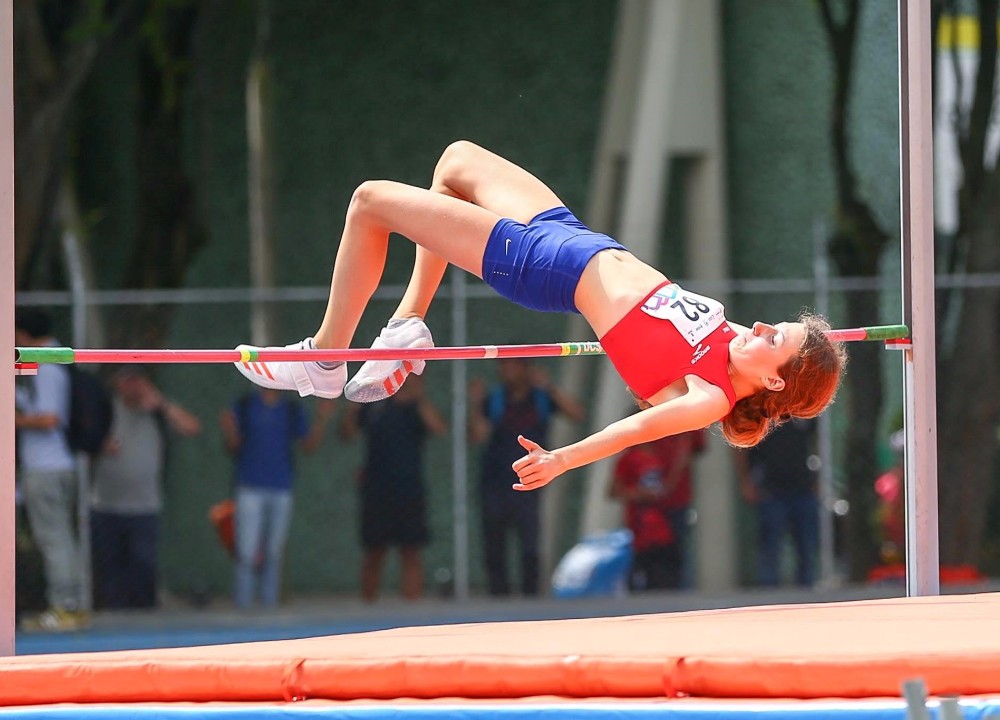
538,265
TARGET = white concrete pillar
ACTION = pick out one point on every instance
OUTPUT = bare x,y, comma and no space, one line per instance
612,142
641,217
674,97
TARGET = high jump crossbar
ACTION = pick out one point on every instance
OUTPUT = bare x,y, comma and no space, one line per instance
27,356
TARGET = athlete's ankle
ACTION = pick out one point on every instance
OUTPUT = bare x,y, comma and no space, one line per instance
324,340
400,318
326,365
396,322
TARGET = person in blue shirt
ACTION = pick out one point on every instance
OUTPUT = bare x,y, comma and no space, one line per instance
261,431
522,403
780,478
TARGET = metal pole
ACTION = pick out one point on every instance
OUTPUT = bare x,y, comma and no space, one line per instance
260,175
915,692
7,327
460,445
821,273
917,211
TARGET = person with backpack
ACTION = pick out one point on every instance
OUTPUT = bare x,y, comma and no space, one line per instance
521,403
261,431
47,478
126,499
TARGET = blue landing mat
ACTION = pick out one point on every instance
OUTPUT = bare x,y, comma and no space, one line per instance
971,709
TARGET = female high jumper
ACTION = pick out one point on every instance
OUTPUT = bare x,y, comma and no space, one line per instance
674,349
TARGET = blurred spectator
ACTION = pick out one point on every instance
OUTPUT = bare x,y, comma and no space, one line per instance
126,500
779,477
261,430
47,477
392,484
522,403
890,509
679,453
654,481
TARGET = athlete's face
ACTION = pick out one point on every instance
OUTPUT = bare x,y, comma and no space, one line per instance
760,352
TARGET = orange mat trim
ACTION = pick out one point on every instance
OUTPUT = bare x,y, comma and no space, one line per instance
847,650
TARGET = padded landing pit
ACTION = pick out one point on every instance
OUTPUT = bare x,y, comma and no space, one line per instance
671,663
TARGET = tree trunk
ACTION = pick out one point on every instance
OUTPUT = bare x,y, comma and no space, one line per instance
969,377
259,97
46,85
864,393
969,408
169,227
967,428
857,248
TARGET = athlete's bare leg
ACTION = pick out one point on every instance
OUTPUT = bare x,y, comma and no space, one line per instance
451,223
474,174
454,230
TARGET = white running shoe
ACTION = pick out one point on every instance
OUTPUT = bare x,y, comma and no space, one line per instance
308,378
378,379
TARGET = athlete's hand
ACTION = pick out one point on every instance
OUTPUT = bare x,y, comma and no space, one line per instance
538,468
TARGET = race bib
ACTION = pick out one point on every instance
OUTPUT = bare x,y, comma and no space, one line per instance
695,316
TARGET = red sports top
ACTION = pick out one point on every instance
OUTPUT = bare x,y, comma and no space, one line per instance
670,334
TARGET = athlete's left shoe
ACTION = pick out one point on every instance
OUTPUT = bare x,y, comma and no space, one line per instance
379,379
307,378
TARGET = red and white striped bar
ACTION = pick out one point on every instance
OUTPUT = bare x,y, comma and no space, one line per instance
67,356
479,352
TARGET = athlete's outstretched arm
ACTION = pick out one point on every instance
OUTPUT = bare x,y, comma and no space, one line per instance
694,410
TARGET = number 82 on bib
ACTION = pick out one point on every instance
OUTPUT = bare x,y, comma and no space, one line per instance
695,316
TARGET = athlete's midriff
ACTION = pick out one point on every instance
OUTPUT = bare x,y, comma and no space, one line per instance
650,352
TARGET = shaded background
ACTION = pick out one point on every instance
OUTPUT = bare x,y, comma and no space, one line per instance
365,90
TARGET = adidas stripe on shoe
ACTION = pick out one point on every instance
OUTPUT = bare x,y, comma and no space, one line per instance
306,378
380,379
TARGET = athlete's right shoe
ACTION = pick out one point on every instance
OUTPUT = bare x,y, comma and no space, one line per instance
306,378
379,379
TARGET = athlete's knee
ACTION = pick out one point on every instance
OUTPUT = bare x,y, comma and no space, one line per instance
367,197
456,161
459,152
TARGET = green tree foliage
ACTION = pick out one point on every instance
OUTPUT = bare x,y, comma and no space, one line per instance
59,46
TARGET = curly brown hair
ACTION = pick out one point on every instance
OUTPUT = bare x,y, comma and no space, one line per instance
811,381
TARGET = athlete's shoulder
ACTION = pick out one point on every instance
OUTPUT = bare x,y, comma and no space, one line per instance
709,395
